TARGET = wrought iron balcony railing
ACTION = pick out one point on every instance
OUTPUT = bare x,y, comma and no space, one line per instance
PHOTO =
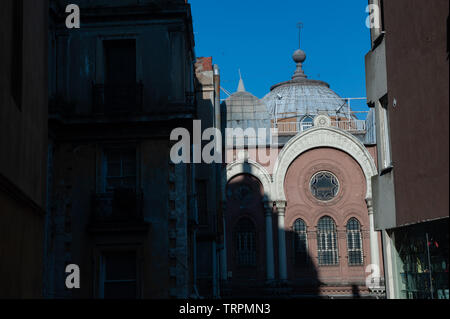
111,99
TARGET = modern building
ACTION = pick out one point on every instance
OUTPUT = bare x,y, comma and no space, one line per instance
299,216
119,207
23,146
407,87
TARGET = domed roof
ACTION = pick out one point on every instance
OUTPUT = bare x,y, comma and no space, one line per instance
301,96
244,110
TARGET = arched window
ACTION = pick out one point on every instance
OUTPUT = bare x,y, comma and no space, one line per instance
306,123
354,243
300,243
245,243
327,242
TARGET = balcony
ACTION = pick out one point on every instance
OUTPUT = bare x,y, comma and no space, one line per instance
123,207
117,99
353,126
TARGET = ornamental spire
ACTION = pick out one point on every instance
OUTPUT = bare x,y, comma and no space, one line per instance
241,87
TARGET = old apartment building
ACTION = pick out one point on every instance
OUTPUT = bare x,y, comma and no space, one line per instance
137,225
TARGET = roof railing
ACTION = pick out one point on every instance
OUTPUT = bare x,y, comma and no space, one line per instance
294,127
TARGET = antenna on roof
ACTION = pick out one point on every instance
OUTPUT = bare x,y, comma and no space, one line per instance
225,91
299,27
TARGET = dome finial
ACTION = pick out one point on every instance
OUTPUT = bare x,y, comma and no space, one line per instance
299,56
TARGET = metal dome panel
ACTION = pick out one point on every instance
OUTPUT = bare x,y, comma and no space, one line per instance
307,97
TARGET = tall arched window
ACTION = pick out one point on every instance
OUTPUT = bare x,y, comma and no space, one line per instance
300,243
306,123
327,242
245,243
354,243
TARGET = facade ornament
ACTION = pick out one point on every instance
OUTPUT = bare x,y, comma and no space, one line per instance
322,120
281,206
369,204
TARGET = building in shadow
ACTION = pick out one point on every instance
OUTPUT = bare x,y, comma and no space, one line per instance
119,208
299,216
23,146
210,185
407,87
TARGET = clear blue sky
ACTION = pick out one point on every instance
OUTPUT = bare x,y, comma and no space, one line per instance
259,38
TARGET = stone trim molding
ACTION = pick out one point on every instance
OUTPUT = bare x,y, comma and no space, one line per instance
255,169
321,137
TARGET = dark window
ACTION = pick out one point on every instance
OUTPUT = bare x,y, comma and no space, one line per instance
422,262
121,89
119,274
17,52
354,243
120,62
327,242
120,166
300,242
324,186
245,243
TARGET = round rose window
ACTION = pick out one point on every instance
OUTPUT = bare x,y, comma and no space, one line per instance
324,186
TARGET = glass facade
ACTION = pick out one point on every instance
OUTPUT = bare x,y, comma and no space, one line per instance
421,260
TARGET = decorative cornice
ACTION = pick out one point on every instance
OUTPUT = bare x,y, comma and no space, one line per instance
321,137
281,205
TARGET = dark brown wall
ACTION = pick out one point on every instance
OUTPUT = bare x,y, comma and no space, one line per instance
23,128
23,149
417,73
21,246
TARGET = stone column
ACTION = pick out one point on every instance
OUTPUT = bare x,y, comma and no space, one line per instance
270,271
281,208
374,249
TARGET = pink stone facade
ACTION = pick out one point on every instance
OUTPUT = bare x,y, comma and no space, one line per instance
349,202
245,199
